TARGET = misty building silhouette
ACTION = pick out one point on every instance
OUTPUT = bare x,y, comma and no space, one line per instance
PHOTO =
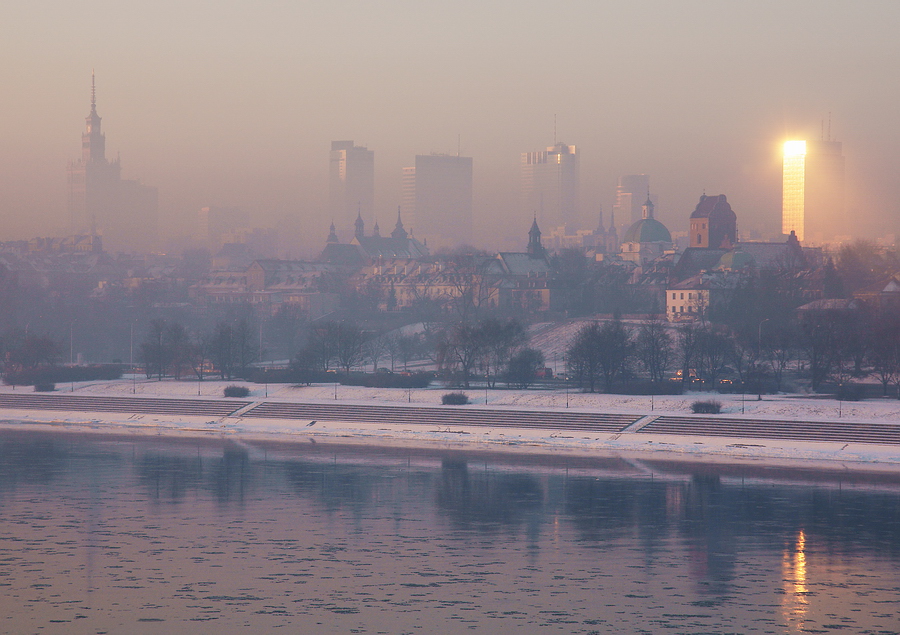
713,224
550,185
437,199
630,191
812,203
362,249
351,182
124,212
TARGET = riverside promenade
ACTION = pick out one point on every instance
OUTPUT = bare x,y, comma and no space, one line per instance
448,418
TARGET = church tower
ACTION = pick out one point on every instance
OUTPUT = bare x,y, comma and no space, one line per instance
359,226
535,248
399,232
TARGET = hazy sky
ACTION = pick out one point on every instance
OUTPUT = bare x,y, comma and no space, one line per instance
235,103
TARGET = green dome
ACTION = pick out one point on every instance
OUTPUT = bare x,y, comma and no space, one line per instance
735,259
647,230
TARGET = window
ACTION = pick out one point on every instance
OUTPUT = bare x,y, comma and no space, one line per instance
682,295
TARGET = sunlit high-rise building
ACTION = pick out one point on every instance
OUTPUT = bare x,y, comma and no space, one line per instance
437,199
550,185
813,190
100,202
351,183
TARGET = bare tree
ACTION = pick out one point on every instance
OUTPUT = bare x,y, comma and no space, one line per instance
375,349
179,349
713,349
653,347
499,339
600,350
582,357
222,351
687,349
523,367
458,349
347,341
153,351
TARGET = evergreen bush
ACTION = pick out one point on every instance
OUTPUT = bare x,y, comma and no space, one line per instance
706,407
236,391
455,399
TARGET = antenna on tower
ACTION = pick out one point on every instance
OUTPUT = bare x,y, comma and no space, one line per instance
93,91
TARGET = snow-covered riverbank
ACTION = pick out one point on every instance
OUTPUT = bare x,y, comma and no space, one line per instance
792,407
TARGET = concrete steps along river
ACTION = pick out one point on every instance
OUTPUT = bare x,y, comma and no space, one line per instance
468,416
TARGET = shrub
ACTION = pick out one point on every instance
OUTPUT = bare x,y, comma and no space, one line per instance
643,387
455,399
706,407
236,391
44,387
850,392
387,380
62,374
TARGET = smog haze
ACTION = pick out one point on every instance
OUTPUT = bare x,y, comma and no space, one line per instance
236,104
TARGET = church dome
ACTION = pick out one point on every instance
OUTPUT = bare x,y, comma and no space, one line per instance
647,230
735,259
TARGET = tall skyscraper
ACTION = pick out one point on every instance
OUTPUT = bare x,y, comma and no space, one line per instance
812,204
440,188
351,182
124,212
550,187
630,195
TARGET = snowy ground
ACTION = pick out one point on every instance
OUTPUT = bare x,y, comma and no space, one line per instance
792,407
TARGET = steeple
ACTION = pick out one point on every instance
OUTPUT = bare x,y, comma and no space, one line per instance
332,234
359,225
535,248
93,142
376,231
399,233
647,209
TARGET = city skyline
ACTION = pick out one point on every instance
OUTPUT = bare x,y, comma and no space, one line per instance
245,121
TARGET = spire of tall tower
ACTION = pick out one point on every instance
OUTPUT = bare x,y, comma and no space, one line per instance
93,142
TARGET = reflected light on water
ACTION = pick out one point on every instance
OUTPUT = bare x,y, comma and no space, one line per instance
795,604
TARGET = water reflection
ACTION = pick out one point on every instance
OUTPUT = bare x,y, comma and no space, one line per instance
795,603
375,536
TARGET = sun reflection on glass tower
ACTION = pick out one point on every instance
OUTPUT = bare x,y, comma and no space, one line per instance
813,190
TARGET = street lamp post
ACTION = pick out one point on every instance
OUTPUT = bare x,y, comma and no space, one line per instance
758,357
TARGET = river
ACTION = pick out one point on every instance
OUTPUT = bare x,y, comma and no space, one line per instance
106,534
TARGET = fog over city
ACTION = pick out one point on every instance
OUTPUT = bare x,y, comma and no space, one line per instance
236,104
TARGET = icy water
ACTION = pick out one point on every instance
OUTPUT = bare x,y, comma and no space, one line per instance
118,535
